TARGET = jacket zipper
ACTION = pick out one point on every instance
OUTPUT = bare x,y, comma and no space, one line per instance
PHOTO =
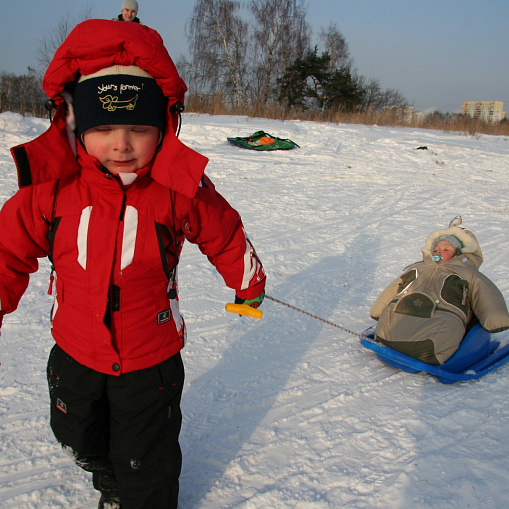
114,289
122,209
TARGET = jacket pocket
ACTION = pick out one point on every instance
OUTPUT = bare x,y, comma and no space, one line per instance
416,304
161,300
455,292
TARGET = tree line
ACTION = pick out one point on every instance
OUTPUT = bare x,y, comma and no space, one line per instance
246,55
262,53
22,93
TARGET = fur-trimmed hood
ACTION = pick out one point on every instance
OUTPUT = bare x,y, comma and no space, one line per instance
471,247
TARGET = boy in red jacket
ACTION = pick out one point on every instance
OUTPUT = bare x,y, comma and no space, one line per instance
110,194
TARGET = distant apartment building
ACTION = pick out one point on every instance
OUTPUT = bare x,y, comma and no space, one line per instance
489,111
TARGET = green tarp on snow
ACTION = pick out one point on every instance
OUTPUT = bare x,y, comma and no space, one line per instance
260,140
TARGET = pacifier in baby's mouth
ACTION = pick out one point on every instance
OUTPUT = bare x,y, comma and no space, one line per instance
437,258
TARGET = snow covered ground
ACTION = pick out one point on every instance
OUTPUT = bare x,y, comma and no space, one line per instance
287,412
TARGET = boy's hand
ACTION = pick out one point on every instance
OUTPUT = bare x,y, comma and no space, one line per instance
254,303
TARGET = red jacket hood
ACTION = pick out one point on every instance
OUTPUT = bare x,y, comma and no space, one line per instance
91,46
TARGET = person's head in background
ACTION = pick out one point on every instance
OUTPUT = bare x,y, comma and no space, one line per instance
129,10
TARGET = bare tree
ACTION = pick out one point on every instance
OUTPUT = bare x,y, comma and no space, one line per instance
55,36
281,35
22,94
377,99
393,98
218,40
335,44
373,92
242,59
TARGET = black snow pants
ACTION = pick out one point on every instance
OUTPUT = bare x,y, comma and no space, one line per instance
124,429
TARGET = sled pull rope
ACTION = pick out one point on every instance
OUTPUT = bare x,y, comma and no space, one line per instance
318,318
245,310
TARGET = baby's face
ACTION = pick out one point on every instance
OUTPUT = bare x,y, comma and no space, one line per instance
446,249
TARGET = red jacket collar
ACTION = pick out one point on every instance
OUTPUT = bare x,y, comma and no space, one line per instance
50,157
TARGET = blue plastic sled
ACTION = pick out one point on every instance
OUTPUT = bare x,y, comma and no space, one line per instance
476,356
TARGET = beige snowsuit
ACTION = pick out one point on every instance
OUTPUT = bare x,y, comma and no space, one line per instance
426,311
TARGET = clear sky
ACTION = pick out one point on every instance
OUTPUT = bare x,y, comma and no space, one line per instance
437,53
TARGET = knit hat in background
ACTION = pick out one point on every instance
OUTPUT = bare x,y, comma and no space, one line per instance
118,95
130,4
452,239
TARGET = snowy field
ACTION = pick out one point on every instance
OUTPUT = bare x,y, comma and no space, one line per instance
287,412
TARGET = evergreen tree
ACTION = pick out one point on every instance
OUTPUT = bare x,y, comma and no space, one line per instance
311,82
342,91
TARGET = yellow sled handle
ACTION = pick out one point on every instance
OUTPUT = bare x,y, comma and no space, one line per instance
244,309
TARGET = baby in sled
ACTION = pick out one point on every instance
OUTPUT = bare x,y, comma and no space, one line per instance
426,311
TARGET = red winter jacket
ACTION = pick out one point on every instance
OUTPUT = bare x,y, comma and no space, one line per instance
114,246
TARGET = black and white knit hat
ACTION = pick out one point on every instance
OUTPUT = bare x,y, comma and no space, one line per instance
118,95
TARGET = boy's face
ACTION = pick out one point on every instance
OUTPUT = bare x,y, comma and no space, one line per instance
446,249
122,148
